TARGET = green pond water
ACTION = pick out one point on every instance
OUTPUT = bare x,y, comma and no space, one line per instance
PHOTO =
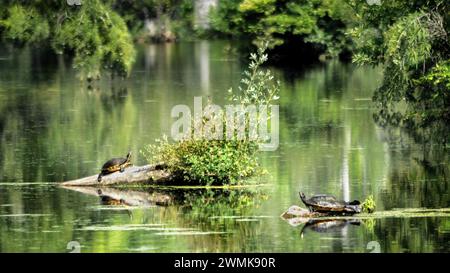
54,128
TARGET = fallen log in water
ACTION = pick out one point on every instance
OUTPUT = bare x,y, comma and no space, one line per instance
148,174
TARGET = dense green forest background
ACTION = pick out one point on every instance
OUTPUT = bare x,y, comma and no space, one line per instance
409,39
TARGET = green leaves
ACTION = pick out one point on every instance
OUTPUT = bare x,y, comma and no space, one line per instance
207,162
368,206
278,21
96,35
410,39
25,24
258,6
99,38
258,86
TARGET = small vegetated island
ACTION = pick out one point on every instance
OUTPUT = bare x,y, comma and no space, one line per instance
197,159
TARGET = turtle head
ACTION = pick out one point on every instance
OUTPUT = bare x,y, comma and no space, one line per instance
129,156
302,195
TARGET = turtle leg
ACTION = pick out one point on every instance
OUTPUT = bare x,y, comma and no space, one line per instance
99,178
122,169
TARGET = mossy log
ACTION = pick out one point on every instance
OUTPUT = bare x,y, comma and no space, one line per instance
148,174
301,214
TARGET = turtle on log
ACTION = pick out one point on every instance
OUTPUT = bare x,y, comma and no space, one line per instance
114,165
328,204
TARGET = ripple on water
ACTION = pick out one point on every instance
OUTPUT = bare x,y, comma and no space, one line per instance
24,215
189,233
142,249
148,227
104,207
240,217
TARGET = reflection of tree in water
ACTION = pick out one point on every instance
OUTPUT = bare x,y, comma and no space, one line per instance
198,204
113,100
417,177
395,123
419,169
218,212
422,181
228,211
23,114
404,234
206,203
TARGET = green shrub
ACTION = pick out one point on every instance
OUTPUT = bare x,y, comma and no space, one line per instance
25,24
206,161
100,39
368,206
225,161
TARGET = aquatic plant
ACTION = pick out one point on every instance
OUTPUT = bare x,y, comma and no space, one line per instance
368,206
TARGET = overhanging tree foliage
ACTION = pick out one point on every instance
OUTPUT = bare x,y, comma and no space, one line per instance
410,40
95,34
319,24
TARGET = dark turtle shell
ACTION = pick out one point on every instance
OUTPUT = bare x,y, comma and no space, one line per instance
114,165
329,204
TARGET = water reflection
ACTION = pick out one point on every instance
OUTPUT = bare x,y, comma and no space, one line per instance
329,225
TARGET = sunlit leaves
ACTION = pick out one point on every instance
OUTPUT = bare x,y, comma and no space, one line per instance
25,24
258,86
99,38
96,36
316,22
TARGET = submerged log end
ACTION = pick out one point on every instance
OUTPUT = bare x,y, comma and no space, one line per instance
148,174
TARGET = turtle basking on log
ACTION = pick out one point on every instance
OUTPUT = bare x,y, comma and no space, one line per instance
115,165
323,203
